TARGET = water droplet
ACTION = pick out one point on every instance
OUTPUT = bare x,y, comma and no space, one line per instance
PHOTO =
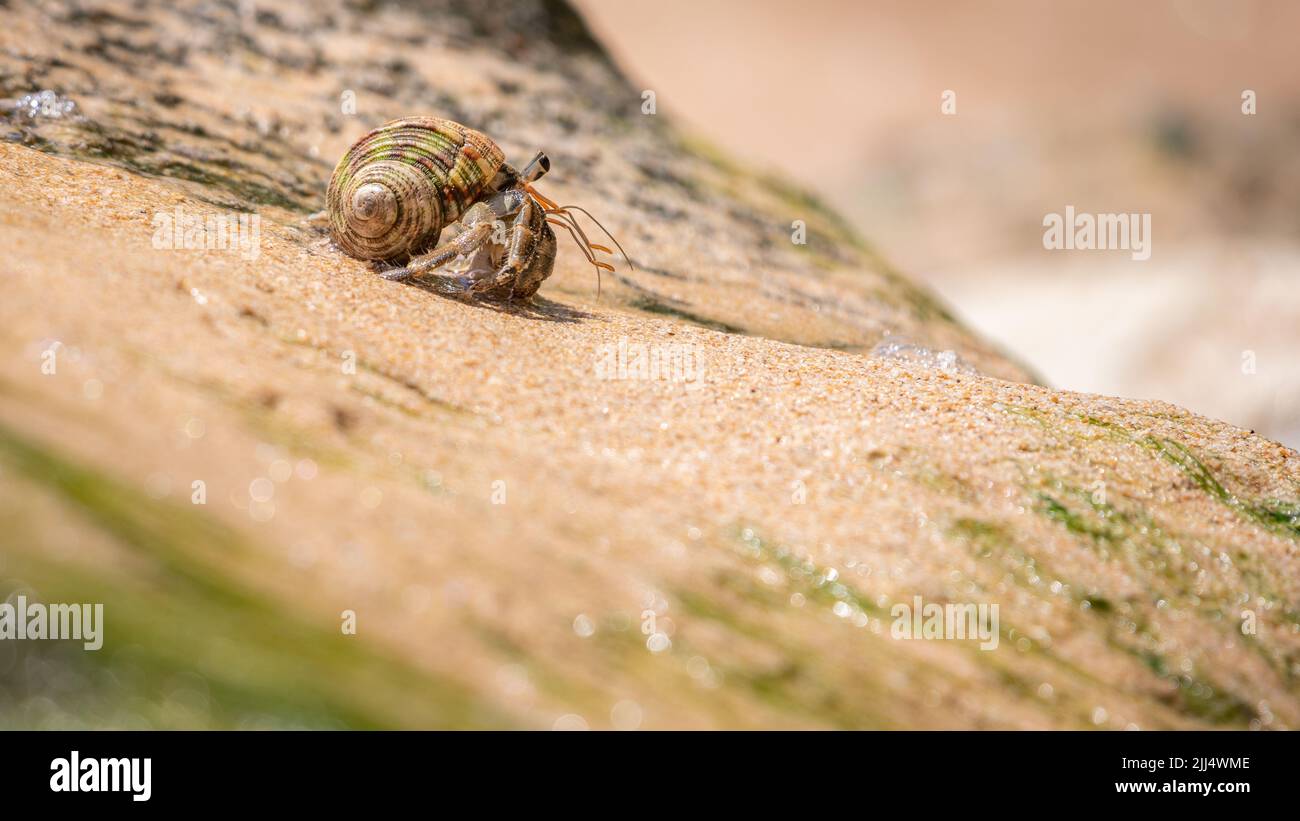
47,104
901,351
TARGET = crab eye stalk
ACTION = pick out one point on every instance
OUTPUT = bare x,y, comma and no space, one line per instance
534,170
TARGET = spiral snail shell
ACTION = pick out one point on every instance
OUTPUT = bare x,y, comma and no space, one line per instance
398,186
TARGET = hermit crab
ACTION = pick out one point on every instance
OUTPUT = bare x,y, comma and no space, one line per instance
398,187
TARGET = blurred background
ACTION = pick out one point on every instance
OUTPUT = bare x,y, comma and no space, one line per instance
1109,106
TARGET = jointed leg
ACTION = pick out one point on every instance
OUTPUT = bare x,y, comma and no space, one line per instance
465,243
475,227
528,257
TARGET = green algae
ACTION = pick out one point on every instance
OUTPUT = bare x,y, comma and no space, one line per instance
1275,515
187,613
1192,697
1278,516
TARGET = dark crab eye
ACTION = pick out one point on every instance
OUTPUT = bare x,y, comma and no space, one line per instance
535,169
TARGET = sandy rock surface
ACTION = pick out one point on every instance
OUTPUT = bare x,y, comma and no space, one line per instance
530,528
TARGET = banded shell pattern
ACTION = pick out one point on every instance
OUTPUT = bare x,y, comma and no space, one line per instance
398,186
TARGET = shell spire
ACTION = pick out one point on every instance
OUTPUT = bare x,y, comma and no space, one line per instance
398,186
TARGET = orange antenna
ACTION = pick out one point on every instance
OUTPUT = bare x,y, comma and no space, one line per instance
567,217
562,216
585,252
604,230
546,202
